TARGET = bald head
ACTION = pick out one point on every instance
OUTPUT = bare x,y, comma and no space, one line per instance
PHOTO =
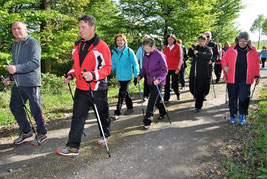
19,30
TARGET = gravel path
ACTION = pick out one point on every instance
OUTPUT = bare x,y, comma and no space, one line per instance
180,150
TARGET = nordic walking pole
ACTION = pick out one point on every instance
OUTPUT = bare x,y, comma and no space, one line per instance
27,111
226,92
70,89
161,99
253,91
72,97
98,118
141,99
213,83
195,79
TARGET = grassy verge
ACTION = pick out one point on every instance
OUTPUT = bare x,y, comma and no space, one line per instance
251,161
55,103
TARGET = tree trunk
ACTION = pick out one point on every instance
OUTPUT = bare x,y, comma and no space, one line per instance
259,38
45,63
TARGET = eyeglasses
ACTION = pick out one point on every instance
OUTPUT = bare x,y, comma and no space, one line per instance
243,42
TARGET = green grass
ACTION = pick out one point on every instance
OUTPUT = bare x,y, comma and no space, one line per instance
254,153
56,104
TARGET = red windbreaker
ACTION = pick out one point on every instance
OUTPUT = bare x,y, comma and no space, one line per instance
98,61
174,57
253,64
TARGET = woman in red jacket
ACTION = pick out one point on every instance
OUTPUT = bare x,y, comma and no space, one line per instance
173,52
241,64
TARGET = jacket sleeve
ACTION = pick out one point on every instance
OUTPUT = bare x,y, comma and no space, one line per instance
34,60
72,72
225,59
215,53
163,68
105,70
139,56
134,62
113,62
180,56
257,64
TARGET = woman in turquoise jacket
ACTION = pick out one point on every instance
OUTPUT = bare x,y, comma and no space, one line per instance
124,62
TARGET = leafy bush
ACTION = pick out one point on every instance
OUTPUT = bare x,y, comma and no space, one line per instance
51,84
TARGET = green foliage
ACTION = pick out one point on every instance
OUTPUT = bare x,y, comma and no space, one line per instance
264,27
257,24
225,28
184,18
254,152
51,84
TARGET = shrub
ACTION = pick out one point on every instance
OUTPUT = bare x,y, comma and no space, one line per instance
51,84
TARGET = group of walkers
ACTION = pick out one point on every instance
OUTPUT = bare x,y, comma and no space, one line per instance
93,63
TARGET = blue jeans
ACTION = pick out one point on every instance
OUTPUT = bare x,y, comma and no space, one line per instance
17,108
238,92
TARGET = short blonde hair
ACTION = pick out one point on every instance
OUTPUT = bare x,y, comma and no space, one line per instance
122,36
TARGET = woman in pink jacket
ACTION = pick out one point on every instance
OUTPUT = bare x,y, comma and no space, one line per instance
241,64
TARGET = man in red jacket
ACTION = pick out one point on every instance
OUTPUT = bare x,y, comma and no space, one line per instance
92,63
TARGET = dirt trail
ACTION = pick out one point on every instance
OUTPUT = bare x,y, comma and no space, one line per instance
180,150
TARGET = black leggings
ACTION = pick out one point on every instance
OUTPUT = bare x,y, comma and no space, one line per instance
124,93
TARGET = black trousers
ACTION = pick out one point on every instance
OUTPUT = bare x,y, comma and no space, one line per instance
209,79
154,100
181,76
218,71
146,88
82,103
238,92
124,94
175,85
263,62
198,88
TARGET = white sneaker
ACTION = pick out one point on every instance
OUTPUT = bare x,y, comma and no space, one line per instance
102,141
115,117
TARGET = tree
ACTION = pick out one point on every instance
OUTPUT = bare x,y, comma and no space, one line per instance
264,27
55,25
225,29
257,26
185,18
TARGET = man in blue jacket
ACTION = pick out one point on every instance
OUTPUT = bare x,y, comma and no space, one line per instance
26,56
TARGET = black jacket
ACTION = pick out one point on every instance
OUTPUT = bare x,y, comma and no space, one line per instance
202,59
215,51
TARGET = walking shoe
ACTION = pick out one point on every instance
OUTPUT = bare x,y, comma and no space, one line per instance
115,117
161,116
101,141
197,110
40,138
178,97
146,127
67,151
145,98
129,111
22,137
166,102
233,120
242,120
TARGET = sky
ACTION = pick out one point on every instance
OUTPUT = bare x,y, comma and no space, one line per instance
249,14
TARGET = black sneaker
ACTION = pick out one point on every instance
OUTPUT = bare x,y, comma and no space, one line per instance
40,138
22,137
129,111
